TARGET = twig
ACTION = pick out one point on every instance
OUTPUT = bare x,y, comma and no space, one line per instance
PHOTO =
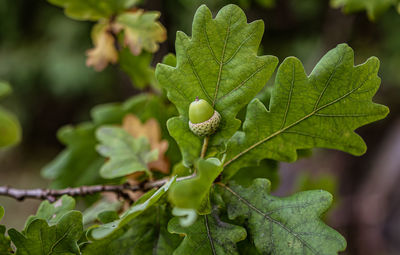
53,194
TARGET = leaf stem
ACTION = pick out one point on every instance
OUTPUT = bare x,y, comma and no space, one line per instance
205,145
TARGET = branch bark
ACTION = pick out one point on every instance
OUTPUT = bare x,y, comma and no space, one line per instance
53,194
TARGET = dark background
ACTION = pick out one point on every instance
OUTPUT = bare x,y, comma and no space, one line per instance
42,54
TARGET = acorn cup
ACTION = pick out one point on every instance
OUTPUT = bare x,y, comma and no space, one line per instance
203,119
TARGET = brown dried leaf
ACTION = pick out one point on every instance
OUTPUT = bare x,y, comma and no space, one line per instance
104,51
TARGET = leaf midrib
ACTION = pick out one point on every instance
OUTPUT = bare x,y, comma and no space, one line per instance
293,124
210,239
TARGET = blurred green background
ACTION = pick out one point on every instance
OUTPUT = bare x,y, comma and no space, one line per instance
42,54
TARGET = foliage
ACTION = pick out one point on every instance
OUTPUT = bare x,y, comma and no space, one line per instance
292,223
374,8
217,189
40,238
208,67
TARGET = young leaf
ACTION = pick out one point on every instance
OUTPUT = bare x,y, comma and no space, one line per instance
138,208
92,9
219,63
191,193
104,51
208,235
126,153
53,212
141,30
321,110
40,238
288,225
146,235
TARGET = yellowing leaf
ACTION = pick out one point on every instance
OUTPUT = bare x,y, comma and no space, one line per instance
104,51
141,30
151,130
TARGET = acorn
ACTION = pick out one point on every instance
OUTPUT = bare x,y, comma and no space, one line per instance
203,119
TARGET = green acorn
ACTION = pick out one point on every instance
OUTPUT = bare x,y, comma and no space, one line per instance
203,119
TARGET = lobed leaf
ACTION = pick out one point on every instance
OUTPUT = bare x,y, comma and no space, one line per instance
288,225
52,212
141,30
78,159
219,63
40,238
207,235
104,51
125,153
320,110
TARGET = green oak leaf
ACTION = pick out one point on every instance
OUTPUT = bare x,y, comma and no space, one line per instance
40,238
192,193
92,9
53,212
374,8
207,235
219,63
146,235
288,225
125,153
142,30
138,67
320,110
140,206
78,159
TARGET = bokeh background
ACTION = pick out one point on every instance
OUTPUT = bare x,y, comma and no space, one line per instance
42,54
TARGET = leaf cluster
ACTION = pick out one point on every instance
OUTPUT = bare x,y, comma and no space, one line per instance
221,201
